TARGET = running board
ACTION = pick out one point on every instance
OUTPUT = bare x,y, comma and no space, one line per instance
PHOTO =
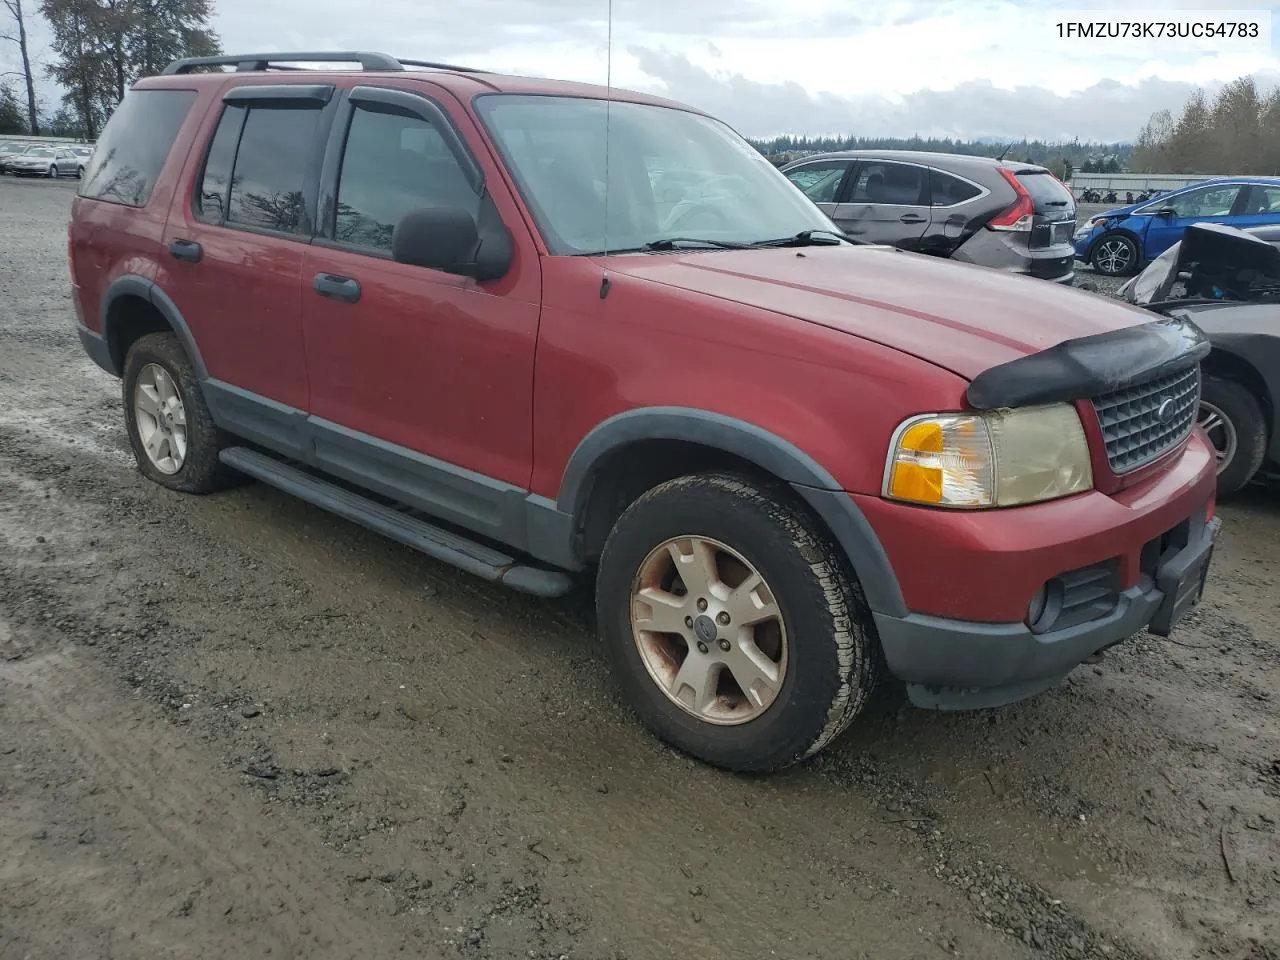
476,558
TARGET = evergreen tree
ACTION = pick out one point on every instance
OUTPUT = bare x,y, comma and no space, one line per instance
103,46
11,118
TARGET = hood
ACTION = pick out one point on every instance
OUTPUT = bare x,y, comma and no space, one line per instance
961,317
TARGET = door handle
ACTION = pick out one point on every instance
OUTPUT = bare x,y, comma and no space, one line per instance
337,288
187,250
912,218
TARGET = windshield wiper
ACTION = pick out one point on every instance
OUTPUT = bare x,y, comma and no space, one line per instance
808,238
671,243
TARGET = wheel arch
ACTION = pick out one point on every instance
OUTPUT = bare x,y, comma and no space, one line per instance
633,451
1229,365
134,306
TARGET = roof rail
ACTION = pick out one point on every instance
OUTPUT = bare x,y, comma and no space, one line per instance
249,62
440,66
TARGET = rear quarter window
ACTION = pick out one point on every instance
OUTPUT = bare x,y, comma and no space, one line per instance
133,147
946,190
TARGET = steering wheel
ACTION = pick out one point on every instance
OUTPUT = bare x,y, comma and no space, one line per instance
703,216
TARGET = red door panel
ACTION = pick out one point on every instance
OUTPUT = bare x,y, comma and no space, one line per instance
424,360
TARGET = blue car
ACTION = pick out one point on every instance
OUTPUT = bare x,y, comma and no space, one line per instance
1123,241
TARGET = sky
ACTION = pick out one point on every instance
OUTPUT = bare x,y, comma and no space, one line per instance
960,68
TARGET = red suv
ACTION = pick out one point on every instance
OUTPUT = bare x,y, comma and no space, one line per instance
535,328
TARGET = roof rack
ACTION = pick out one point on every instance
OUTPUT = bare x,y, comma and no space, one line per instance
255,62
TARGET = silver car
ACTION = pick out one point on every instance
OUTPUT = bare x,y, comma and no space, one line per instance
1014,217
46,161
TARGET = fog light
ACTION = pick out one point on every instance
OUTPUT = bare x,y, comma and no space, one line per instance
1045,606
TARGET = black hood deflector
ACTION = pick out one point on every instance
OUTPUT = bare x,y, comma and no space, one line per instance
1090,366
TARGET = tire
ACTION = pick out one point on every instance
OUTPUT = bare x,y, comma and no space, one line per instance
53,171
79,173
1114,255
200,470
832,657
1240,438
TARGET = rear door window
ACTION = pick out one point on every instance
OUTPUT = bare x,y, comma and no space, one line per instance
901,184
1264,200
1047,192
133,147
256,165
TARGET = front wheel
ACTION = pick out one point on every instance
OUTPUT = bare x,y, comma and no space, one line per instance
1232,419
731,624
1114,255
53,172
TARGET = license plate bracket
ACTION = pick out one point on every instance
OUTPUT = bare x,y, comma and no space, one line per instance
1182,580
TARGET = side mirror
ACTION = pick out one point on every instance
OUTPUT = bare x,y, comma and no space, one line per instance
447,239
1166,212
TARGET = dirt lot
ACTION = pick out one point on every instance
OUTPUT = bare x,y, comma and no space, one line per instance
234,726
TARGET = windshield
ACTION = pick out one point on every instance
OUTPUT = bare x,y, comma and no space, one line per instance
39,152
671,173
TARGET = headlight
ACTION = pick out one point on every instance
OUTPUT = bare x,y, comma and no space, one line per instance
998,459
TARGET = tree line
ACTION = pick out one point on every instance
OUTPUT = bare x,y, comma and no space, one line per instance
1070,155
1237,132
100,48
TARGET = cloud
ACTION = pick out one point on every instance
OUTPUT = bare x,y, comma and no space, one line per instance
1107,110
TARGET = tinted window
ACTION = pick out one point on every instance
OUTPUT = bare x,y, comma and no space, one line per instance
899,183
1205,202
820,182
1264,200
1047,192
134,145
946,190
270,166
215,183
393,163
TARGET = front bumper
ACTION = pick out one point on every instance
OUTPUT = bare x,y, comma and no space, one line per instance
1115,565
959,665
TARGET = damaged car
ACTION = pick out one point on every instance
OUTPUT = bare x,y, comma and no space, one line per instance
1227,282
1014,217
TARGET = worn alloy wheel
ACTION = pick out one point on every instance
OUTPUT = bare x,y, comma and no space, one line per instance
735,629
709,630
173,436
161,418
1114,255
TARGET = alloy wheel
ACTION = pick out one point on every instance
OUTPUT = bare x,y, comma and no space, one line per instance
1221,432
709,630
161,418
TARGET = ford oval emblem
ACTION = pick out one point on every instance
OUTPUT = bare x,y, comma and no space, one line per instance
1166,411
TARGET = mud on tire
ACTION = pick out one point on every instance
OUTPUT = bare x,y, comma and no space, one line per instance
833,659
201,470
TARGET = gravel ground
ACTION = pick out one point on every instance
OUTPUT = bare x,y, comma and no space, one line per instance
236,726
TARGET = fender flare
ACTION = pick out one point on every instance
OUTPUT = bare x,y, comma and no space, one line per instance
131,285
811,481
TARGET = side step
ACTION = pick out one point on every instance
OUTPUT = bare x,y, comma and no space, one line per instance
441,544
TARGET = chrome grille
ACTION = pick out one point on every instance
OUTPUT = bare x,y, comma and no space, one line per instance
1131,423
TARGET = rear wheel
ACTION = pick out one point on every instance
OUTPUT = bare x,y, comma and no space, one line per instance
1114,255
172,434
732,626
1233,420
